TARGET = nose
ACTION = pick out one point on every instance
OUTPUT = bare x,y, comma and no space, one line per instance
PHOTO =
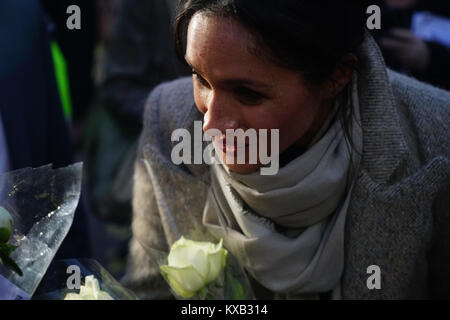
219,115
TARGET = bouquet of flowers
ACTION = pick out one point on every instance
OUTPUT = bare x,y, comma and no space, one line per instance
36,211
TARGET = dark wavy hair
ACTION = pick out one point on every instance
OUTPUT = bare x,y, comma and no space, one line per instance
309,36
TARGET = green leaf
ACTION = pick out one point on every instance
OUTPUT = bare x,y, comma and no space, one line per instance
5,251
235,290
203,293
238,290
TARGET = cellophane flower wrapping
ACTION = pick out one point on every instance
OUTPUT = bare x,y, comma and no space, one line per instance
42,202
61,276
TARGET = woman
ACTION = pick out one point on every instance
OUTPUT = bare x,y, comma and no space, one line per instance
364,171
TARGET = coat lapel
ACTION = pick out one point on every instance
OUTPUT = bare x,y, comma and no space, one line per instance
390,226
389,217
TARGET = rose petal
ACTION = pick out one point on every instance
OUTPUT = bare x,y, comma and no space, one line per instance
216,262
184,281
188,253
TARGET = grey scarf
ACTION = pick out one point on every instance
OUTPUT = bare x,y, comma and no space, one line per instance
287,230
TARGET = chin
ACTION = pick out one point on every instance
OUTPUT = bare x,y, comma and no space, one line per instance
241,168
244,168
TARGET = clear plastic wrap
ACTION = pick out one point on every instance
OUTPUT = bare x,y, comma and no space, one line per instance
42,202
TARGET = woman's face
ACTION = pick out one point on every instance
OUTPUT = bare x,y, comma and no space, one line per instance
235,89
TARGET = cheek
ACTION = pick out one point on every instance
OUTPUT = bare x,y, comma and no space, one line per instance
291,117
283,118
292,130
200,96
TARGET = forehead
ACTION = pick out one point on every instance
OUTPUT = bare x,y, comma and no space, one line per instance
218,41
217,29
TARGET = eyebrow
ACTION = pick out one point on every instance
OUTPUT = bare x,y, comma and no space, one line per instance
236,81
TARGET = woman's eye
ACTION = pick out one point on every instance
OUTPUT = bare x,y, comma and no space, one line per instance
200,79
248,96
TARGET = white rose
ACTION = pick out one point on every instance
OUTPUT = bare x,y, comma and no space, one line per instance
193,264
6,225
90,291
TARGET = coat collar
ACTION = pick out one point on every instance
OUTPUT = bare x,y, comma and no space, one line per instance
389,221
384,145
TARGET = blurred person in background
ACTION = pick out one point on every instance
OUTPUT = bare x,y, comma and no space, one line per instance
137,54
33,130
415,38
77,47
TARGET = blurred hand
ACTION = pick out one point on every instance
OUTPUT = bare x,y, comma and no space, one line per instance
407,49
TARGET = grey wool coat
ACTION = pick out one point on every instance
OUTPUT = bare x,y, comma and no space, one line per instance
399,213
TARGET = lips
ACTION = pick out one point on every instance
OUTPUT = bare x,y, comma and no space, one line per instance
220,144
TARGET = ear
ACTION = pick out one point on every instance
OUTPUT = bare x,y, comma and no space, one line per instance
341,75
